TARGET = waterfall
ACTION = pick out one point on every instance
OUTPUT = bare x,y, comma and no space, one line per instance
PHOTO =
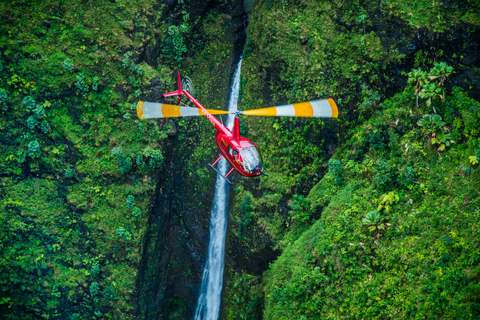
208,306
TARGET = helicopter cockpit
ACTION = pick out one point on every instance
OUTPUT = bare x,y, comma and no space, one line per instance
251,160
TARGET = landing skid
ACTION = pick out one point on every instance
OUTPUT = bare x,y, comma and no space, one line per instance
221,175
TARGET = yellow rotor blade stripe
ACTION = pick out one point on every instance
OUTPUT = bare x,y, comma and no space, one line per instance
213,111
170,110
272,111
303,109
334,107
140,109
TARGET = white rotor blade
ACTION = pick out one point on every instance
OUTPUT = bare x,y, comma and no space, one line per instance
325,108
150,110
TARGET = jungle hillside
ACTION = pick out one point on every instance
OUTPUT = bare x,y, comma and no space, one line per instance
374,215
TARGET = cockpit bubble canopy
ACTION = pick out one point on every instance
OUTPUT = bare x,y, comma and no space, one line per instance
251,160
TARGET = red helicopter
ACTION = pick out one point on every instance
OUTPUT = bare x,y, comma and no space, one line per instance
242,154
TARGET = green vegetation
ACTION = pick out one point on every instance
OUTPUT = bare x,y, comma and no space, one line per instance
73,243
78,170
387,227
397,238
372,215
387,248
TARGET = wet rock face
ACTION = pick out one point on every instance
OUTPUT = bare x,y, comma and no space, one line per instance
174,247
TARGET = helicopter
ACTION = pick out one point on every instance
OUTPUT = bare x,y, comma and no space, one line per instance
241,153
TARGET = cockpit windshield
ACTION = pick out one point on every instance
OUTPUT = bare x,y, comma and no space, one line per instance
251,160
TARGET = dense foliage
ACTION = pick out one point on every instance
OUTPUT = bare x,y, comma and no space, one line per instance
77,170
387,227
398,238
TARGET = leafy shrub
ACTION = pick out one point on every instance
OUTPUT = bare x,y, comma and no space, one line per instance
3,99
110,294
387,201
116,151
247,50
136,213
300,208
126,58
156,159
373,220
246,214
407,176
123,160
174,44
127,62
34,149
463,111
130,201
140,162
335,166
81,84
424,87
430,123
69,173
45,126
38,116
31,122
384,179
68,64
371,98
95,83
134,82
29,103
122,233
39,112
95,269
375,139
94,288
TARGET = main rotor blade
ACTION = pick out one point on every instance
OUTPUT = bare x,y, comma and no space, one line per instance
326,108
149,110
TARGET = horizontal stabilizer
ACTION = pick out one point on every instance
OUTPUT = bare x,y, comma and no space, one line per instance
326,108
150,110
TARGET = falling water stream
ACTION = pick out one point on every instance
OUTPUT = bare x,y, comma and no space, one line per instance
208,306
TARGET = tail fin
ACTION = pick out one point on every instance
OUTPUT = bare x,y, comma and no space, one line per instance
179,92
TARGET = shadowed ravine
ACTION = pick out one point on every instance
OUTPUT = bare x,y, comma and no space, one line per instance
212,280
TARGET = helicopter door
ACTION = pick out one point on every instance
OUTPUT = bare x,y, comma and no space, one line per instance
233,152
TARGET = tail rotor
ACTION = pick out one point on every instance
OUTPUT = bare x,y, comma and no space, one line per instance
187,84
